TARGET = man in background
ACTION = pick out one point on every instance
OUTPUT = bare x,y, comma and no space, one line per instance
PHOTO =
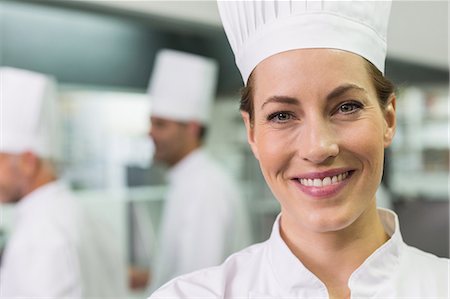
55,249
204,218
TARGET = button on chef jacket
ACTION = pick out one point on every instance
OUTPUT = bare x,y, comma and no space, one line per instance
270,270
204,219
57,251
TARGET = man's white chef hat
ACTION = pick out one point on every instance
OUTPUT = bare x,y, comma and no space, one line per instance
182,86
259,29
28,113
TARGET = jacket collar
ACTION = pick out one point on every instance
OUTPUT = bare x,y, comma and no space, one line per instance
43,196
41,192
381,265
178,171
293,277
365,281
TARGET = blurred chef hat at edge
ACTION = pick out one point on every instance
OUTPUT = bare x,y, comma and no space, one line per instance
182,86
29,116
257,30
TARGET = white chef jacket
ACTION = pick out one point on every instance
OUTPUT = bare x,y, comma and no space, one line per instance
56,251
270,270
204,219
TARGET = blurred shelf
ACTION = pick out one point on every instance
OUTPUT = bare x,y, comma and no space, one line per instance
265,206
435,135
433,186
147,193
421,150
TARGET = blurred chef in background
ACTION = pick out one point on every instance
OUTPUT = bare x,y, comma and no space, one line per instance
204,218
55,249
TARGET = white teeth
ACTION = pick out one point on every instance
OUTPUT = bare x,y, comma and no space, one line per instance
326,181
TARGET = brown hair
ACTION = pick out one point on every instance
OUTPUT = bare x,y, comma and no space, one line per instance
383,87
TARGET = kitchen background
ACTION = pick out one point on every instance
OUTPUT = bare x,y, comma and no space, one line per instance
102,52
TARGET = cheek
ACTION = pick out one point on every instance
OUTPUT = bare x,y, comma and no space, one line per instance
163,136
365,140
155,134
275,150
8,175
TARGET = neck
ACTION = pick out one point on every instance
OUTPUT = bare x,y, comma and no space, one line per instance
44,176
334,256
187,151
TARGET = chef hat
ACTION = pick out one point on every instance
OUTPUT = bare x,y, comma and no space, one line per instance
259,29
28,115
182,86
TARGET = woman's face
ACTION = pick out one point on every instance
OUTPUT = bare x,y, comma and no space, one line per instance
319,135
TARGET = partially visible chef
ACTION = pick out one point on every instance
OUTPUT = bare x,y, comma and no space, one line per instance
55,249
204,218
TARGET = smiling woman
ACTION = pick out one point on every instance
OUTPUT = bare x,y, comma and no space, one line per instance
318,114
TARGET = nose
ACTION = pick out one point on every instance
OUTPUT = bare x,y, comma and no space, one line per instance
151,129
150,132
153,136
318,142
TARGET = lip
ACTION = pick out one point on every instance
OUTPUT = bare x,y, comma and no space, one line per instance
324,191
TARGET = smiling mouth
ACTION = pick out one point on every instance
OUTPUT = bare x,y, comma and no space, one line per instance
325,181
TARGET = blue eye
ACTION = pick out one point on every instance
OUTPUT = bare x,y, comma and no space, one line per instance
349,107
280,117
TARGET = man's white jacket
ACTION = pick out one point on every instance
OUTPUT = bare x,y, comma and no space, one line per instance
57,250
204,219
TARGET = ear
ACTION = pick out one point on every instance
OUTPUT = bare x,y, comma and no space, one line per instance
193,128
250,133
390,121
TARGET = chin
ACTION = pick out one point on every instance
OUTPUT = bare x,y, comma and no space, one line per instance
158,158
4,198
8,200
331,220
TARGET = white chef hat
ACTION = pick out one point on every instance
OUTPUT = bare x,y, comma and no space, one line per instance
182,86
259,29
28,115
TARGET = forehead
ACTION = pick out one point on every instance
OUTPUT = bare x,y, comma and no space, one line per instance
166,124
162,120
312,70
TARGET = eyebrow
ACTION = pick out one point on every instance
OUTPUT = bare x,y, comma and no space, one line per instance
335,93
281,99
342,89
